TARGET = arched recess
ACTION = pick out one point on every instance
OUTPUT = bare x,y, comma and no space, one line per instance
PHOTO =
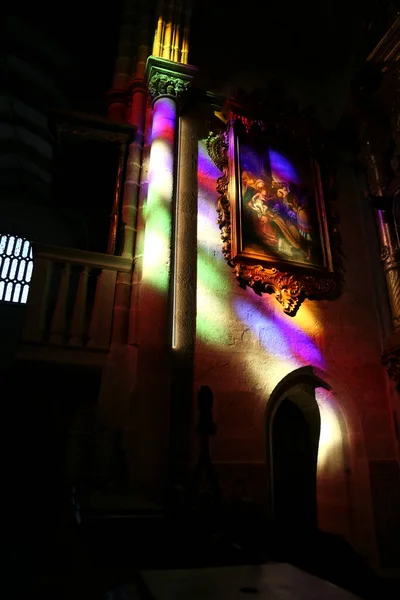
307,457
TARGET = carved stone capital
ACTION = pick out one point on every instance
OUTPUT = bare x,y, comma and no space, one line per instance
168,79
161,85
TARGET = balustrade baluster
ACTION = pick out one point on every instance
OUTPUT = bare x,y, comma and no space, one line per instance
36,307
77,329
58,325
100,327
58,309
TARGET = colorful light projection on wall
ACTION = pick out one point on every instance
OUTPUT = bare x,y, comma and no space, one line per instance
281,344
331,452
213,277
158,215
278,335
276,344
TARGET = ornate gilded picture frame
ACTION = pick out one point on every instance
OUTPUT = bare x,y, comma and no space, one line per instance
272,211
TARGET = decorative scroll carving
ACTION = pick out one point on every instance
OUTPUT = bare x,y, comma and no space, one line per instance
391,361
217,147
385,253
224,215
246,122
390,256
290,289
163,85
269,110
290,286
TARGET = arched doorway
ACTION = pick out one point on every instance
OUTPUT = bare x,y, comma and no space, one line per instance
293,436
343,506
294,469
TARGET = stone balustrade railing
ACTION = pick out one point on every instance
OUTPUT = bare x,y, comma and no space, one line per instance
71,298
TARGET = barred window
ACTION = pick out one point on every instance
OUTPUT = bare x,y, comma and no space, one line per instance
16,265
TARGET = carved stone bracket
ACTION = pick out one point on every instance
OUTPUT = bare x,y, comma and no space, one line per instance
289,289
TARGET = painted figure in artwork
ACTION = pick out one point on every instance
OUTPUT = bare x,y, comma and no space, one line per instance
282,219
259,203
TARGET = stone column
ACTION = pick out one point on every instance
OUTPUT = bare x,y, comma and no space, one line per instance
379,102
379,105
391,251
377,179
167,84
184,305
385,195
130,194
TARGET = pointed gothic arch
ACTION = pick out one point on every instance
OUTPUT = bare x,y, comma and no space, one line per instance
293,427
307,448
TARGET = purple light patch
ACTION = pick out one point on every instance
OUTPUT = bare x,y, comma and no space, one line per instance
301,343
251,160
164,120
280,337
282,169
269,334
208,174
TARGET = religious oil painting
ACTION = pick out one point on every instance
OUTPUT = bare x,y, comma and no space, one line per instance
272,212
279,208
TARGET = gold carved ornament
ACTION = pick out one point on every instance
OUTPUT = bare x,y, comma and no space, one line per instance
391,361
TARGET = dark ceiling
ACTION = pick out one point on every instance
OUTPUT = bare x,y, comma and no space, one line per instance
311,47
86,33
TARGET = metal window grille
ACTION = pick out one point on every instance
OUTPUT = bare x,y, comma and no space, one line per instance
16,265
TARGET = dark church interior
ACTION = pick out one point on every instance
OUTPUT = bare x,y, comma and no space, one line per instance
168,432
